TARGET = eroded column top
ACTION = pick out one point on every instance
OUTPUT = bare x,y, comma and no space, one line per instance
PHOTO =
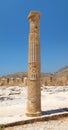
33,14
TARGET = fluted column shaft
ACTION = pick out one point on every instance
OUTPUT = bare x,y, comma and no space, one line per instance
34,91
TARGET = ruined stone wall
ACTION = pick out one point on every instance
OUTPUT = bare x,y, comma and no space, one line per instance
13,82
47,81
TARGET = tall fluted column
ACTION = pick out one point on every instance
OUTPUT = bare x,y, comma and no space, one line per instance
34,84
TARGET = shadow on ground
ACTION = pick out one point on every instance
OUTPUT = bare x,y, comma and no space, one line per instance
56,111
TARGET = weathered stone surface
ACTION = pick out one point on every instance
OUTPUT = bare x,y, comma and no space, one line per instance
34,84
48,81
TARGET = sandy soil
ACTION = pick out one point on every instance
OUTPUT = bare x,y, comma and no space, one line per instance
61,124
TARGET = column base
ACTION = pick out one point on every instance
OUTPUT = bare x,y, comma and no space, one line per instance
33,114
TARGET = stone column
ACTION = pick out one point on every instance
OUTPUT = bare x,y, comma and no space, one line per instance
34,83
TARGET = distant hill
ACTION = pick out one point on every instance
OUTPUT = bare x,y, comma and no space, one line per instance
15,75
22,74
61,72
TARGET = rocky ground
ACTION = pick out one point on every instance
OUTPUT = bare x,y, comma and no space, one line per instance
61,124
13,104
17,95
12,95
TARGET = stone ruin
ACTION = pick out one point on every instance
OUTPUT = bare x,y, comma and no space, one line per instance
46,80
13,81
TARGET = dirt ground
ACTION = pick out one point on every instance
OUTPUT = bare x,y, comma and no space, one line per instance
61,124
54,99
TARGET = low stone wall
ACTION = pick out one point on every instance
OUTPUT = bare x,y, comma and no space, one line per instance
47,81
37,119
13,82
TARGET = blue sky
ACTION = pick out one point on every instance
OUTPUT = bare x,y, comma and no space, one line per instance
14,30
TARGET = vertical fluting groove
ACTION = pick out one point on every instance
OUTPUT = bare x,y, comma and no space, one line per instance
34,90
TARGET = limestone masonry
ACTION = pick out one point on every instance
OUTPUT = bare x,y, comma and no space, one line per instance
34,84
45,80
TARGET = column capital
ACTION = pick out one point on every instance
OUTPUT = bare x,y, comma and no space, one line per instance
34,14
